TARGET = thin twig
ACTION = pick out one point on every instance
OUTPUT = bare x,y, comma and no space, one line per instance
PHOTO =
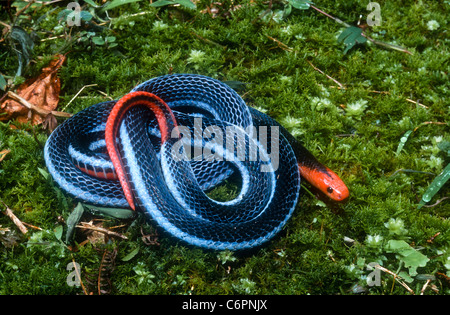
415,102
32,226
13,217
6,25
411,171
52,38
105,95
329,77
78,94
24,8
40,111
430,123
330,16
79,276
407,99
90,226
208,41
436,203
396,278
280,44
47,3
386,45
425,286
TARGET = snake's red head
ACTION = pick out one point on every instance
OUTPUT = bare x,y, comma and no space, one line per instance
326,181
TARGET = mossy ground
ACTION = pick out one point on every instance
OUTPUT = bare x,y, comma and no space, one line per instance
355,131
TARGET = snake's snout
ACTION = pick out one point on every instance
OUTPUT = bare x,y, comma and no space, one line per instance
326,181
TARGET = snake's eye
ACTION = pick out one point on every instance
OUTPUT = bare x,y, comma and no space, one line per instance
330,190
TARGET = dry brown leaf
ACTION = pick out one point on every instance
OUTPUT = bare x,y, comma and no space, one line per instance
41,91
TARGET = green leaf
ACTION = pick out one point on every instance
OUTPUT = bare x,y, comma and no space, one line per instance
44,173
85,15
131,255
266,15
110,39
397,246
300,4
2,82
66,13
278,16
62,15
118,213
414,260
405,276
287,10
351,36
435,186
97,40
73,220
408,255
403,140
91,3
186,3
58,231
161,3
116,3
444,146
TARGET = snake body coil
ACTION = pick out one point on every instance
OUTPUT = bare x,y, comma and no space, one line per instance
168,141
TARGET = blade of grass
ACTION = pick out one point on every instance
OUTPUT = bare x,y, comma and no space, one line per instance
435,186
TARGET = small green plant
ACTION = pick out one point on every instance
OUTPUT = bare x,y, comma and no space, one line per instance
356,109
48,242
390,252
88,17
351,36
245,286
143,275
226,257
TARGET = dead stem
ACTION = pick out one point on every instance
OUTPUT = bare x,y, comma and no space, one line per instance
396,278
78,94
436,203
330,16
79,276
407,99
40,111
91,226
329,77
13,217
280,44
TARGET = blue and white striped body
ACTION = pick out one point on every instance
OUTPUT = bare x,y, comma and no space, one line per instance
168,184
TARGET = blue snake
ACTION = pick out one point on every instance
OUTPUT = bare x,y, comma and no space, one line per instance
171,139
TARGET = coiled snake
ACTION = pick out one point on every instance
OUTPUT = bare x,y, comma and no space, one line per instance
160,147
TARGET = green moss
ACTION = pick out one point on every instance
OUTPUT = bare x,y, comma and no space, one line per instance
355,131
